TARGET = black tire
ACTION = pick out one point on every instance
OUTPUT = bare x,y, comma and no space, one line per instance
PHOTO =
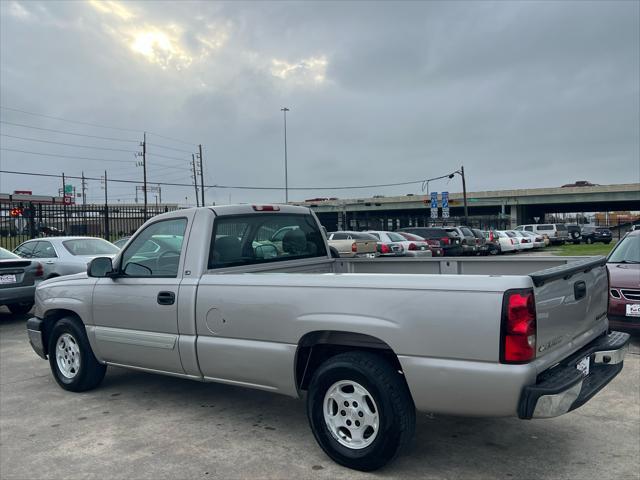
20,308
589,241
607,243
388,390
90,372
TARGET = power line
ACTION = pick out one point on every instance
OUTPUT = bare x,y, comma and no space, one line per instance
166,156
94,124
238,187
169,148
68,133
69,121
65,156
69,144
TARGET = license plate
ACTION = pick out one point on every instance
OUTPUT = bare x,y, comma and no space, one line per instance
421,248
583,366
633,310
12,279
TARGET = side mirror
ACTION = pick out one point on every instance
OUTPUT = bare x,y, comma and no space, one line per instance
100,267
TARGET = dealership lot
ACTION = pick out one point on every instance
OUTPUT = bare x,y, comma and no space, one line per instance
139,425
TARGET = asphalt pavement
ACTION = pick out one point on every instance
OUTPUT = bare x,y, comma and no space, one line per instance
139,425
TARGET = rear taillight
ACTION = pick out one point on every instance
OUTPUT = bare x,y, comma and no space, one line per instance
384,248
518,333
39,270
354,247
445,240
412,246
477,241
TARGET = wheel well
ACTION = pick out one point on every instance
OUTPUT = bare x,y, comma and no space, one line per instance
50,319
316,347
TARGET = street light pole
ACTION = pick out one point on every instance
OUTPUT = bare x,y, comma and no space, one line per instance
286,175
464,196
464,193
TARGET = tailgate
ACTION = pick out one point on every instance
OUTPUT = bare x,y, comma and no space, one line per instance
570,300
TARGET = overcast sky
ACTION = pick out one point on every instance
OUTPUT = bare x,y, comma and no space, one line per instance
524,94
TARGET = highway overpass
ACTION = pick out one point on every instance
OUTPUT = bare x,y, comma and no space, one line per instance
499,208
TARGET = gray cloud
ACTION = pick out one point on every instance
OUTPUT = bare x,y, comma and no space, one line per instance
525,94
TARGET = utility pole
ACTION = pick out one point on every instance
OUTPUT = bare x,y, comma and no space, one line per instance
144,172
106,209
464,196
84,190
195,178
286,174
64,204
201,177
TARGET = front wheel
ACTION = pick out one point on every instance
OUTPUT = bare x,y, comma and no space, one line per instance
72,361
360,410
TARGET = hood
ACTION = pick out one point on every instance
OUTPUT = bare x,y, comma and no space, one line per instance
624,275
64,278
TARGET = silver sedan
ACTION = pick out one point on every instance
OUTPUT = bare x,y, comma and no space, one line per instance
65,255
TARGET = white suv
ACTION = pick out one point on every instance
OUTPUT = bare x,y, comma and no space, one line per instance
556,232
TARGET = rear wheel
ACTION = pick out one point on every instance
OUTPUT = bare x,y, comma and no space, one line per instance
72,361
20,308
360,410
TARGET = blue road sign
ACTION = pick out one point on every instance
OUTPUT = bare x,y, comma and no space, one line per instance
434,199
445,199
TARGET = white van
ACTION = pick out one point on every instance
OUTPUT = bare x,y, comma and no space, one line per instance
557,232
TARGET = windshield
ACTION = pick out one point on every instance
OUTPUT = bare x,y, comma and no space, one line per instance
6,254
627,251
90,246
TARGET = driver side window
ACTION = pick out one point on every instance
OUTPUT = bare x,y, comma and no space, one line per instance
155,252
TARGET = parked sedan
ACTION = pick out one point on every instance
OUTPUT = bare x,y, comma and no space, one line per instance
524,242
434,245
65,255
18,281
449,239
508,243
596,234
624,283
411,248
536,238
353,244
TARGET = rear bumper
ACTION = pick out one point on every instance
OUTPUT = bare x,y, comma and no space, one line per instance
34,331
17,294
564,388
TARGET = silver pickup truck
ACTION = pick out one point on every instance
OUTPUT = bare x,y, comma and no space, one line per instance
366,342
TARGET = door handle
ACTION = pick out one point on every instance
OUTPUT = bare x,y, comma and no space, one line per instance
166,298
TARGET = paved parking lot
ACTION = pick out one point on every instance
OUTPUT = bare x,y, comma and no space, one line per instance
139,425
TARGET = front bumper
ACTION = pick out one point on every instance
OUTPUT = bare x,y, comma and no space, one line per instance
564,388
624,323
34,331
